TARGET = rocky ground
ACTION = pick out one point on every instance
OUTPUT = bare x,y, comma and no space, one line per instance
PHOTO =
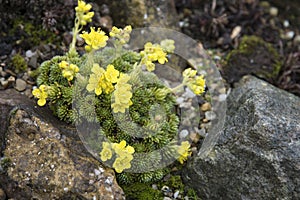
38,30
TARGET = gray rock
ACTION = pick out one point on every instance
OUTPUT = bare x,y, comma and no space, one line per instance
141,13
258,153
47,158
20,85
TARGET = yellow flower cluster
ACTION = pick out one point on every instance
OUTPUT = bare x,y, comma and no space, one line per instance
102,80
41,94
123,35
122,94
95,39
152,53
184,151
68,70
193,82
168,45
123,154
82,12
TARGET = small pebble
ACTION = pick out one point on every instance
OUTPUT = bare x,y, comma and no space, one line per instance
179,100
4,82
11,79
194,137
3,73
176,194
189,94
205,107
20,85
222,97
273,11
154,186
97,172
29,53
290,34
202,132
183,133
33,61
235,32
297,39
210,115
28,93
286,23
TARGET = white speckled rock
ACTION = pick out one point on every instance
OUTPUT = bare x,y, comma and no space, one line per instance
48,160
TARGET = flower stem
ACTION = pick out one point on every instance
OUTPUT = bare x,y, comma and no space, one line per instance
177,88
74,39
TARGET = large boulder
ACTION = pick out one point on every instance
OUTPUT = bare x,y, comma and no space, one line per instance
143,13
257,155
43,158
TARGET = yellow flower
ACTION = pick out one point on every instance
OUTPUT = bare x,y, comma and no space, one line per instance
111,74
193,82
68,70
122,94
124,156
168,45
102,80
95,79
121,163
121,148
63,64
82,12
84,19
150,66
115,31
83,7
41,94
106,152
197,85
95,39
189,73
122,35
184,151
152,53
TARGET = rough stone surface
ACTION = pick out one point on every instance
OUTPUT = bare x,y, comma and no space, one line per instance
47,158
143,13
258,153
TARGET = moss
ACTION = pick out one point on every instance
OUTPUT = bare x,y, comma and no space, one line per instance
18,63
141,191
4,164
175,183
253,56
191,193
29,34
34,73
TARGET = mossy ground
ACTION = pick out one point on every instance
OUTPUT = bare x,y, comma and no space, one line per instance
164,187
253,56
18,63
29,34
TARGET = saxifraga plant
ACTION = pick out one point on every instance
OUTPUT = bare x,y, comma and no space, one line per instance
115,89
